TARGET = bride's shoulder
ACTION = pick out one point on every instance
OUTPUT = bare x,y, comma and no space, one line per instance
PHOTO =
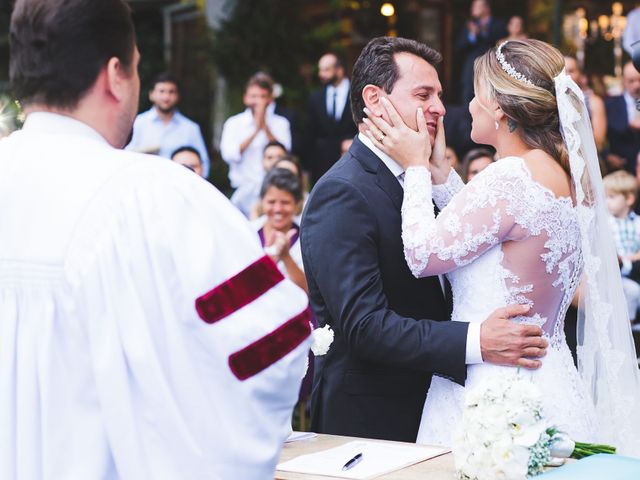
505,167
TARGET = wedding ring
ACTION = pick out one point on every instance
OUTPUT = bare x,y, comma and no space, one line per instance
381,138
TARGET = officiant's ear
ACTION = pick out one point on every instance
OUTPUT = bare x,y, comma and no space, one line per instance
371,96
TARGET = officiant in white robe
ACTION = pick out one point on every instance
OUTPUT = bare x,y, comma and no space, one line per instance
143,334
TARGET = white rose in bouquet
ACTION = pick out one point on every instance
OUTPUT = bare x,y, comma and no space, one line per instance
503,433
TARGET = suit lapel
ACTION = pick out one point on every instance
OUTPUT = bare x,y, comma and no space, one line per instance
389,184
384,178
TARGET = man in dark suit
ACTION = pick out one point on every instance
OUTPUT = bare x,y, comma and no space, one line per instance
391,332
623,122
479,35
329,117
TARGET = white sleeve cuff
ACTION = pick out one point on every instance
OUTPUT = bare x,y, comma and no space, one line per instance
474,353
444,192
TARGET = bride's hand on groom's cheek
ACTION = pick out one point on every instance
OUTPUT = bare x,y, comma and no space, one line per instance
504,342
405,145
440,165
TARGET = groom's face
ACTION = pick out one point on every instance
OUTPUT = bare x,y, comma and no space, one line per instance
417,86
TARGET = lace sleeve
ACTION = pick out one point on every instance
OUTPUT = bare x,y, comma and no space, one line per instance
442,194
481,215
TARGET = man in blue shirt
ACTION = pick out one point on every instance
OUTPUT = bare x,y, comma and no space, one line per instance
163,129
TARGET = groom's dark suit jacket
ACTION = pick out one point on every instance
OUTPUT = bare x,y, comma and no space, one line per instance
390,328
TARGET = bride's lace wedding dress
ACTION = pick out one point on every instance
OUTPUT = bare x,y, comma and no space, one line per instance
502,239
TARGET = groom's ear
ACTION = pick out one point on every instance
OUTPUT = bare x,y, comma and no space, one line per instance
371,96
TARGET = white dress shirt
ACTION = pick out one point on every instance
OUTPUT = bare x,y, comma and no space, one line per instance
108,370
473,350
342,93
245,169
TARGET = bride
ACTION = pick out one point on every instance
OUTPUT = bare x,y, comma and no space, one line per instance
528,229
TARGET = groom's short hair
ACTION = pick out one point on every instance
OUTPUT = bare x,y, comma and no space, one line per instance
376,65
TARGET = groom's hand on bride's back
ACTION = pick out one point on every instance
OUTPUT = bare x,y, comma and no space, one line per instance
504,342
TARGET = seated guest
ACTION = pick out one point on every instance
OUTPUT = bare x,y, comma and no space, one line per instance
474,162
290,163
622,189
281,193
273,152
623,122
188,157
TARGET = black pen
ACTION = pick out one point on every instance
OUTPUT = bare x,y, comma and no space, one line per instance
353,462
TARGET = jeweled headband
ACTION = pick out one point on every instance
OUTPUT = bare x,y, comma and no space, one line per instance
507,67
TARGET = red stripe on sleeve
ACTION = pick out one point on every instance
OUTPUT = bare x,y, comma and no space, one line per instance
266,351
239,290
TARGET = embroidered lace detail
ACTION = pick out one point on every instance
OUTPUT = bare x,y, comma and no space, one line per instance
504,238
606,356
503,204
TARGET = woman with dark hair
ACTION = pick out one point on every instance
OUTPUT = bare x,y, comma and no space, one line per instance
280,195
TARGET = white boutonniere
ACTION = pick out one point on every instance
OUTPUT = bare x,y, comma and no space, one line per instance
321,340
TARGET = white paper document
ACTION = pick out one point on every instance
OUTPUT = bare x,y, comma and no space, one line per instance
377,459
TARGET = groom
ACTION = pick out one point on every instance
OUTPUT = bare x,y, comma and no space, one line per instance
391,329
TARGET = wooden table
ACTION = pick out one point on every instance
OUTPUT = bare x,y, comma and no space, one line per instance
438,468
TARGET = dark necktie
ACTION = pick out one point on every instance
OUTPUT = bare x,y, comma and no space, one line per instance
333,105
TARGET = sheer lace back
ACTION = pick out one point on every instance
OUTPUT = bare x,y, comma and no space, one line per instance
505,213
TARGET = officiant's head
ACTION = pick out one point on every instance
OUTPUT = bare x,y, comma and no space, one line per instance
404,72
515,95
77,58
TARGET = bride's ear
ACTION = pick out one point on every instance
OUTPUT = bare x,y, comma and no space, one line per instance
371,96
499,114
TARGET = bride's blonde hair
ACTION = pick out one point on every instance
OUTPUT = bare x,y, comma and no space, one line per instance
532,107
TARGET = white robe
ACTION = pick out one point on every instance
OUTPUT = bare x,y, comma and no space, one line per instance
107,370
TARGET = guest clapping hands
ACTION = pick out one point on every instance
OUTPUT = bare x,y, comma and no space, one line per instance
281,193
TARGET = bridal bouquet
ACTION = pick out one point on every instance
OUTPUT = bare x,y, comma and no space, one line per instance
503,434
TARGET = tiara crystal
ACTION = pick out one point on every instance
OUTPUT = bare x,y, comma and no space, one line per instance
507,67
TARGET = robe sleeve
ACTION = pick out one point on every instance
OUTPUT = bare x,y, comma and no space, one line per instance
198,343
